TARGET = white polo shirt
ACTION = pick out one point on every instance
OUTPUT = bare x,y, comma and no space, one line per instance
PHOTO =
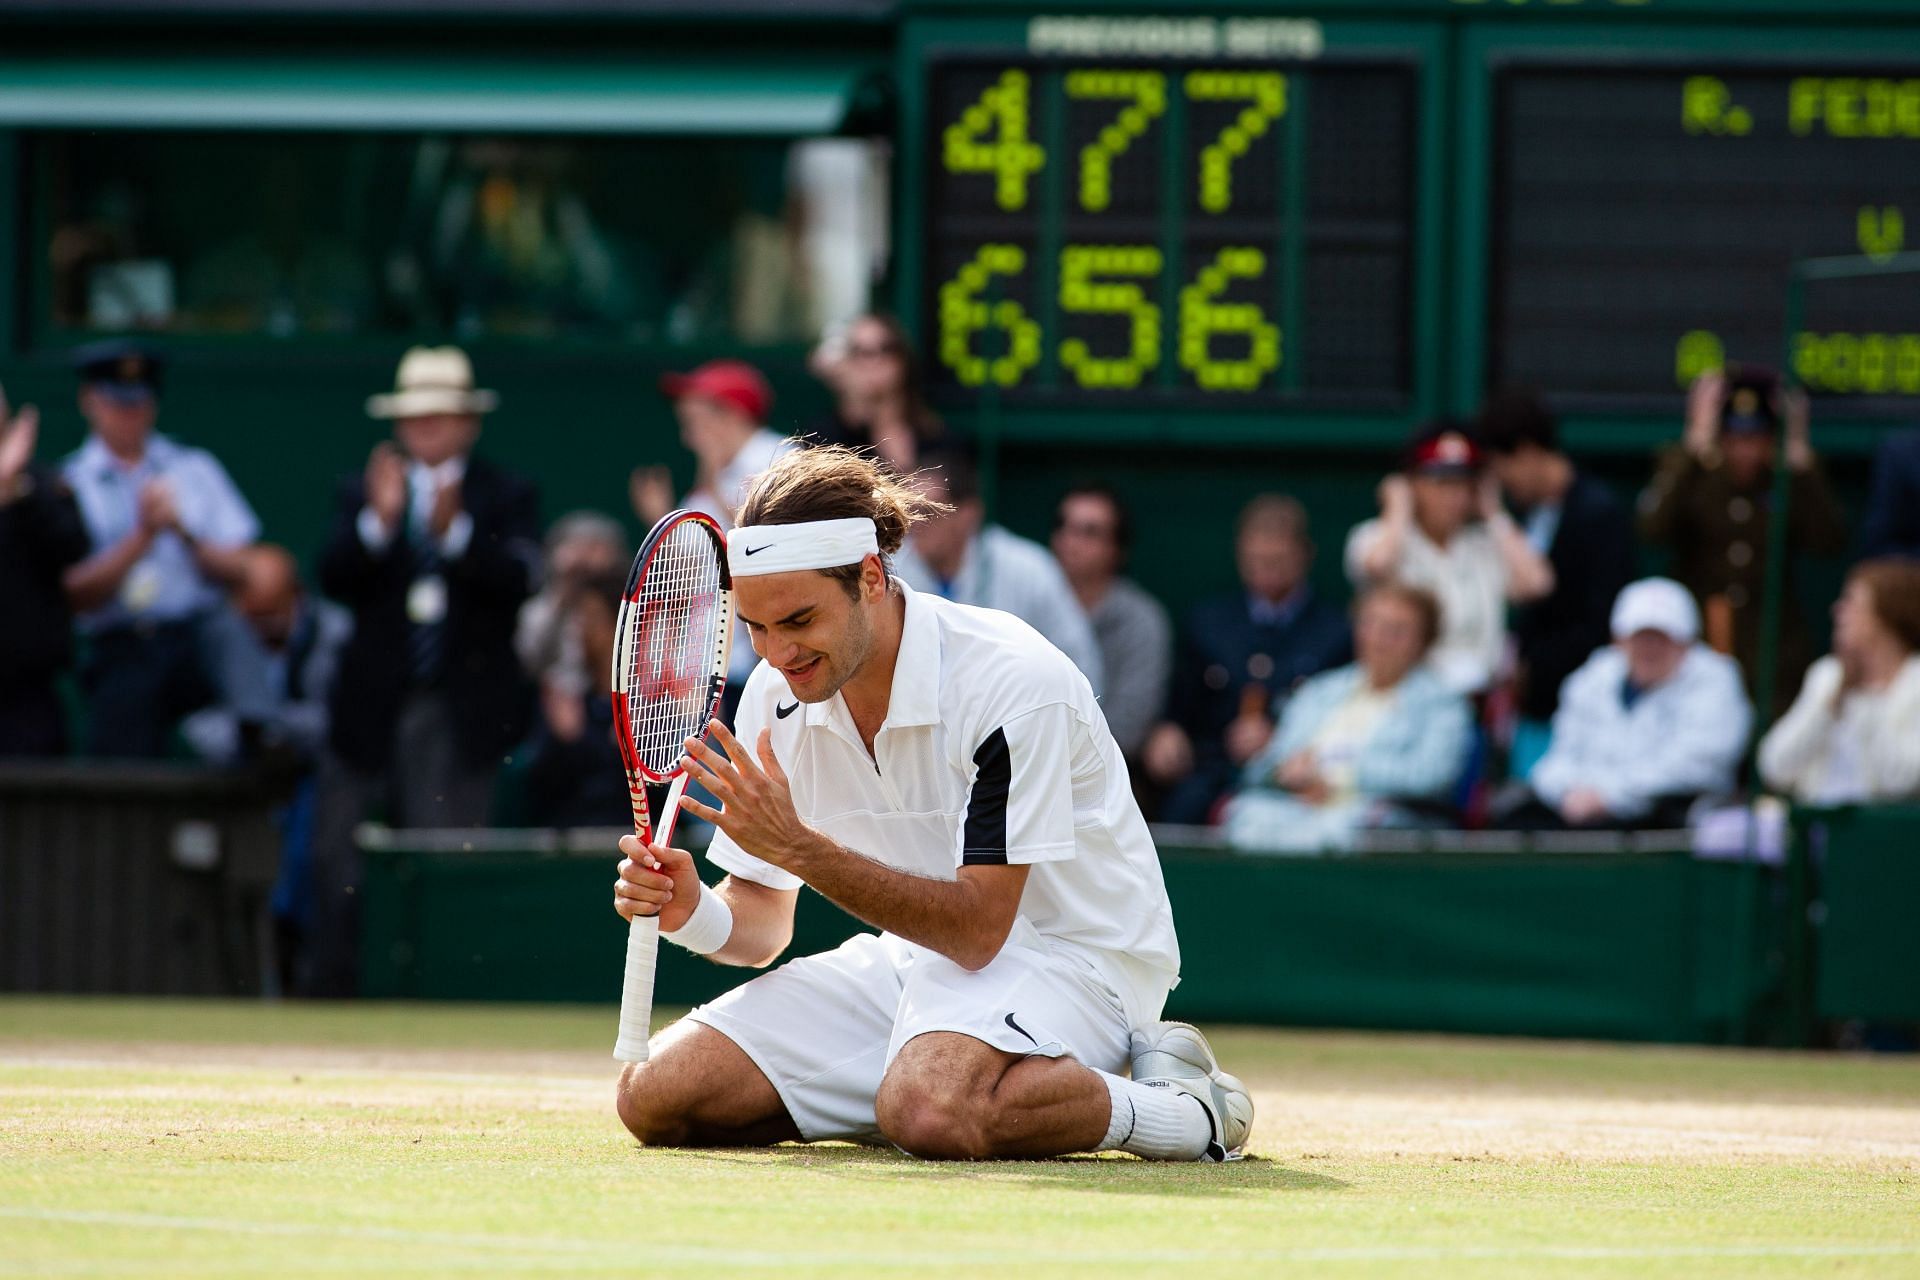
993,751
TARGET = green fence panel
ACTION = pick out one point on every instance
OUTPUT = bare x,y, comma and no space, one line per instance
1867,952
1633,946
520,926
1642,946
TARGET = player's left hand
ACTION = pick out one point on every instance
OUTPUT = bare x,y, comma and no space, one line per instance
756,806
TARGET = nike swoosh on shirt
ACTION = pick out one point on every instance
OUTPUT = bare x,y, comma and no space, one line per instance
782,713
1022,1030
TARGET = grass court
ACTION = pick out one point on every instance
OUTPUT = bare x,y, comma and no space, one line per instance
193,1139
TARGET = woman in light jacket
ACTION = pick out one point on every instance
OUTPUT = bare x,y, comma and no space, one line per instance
1853,735
1357,743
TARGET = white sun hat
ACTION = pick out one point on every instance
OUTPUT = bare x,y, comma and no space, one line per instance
432,380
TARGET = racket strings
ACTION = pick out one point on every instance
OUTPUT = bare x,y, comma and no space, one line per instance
672,659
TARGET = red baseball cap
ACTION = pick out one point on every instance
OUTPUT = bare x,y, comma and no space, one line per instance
733,382
1450,453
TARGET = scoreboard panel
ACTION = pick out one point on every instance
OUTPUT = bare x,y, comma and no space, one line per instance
1170,231
1645,219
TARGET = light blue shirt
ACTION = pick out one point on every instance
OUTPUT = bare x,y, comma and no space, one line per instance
1418,749
164,585
1004,571
1543,523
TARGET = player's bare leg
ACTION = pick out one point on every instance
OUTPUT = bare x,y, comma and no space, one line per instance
700,1089
949,1096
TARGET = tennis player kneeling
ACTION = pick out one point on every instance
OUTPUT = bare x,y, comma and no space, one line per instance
944,774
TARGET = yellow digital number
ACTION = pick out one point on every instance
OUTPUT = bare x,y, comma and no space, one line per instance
964,313
1147,92
1202,319
1011,158
1081,294
1266,95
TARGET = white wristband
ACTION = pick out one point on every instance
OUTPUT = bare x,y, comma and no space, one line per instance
707,929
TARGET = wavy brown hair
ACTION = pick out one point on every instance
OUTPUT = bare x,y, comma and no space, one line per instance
836,483
1894,585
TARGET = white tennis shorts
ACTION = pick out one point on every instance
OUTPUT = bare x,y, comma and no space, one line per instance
824,1028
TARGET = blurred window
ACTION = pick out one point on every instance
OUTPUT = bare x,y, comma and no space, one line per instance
649,240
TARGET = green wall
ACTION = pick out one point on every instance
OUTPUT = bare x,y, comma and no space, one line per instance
1651,946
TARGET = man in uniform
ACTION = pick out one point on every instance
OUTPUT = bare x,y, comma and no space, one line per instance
1709,504
943,773
170,532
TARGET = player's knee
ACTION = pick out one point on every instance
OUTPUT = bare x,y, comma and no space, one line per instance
933,1121
649,1114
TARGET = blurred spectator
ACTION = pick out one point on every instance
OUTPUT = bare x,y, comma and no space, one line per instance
575,776
1892,523
1709,502
722,407
1573,520
1239,652
41,536
1646,726
878,401
582,547
956,554
1379,743
294,642
1090,540
170,531
1441,526
433,549
1853,735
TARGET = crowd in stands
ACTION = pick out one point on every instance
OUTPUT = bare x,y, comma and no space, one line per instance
1499,664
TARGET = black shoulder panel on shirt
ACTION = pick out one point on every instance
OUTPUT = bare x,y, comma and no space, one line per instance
985,842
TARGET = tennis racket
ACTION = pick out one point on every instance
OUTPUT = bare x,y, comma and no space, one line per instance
669,670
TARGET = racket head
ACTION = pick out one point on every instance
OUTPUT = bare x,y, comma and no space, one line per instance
670,645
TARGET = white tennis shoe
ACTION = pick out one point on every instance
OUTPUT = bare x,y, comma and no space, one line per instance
1174,1055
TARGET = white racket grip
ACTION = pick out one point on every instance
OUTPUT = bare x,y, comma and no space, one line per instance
636,991
643,950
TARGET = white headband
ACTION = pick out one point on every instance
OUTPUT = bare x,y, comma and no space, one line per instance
753,550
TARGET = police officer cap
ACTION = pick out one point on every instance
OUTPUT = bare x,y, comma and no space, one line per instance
119,366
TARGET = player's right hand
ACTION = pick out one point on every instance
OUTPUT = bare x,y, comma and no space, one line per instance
656,880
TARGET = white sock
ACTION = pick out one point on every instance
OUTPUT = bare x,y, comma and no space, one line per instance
1155,1124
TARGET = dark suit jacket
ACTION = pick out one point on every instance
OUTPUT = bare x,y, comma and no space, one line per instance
41,536
489,695
1593,558
1224,650
1892,525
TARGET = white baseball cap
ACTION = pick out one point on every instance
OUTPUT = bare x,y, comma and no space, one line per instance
1656,604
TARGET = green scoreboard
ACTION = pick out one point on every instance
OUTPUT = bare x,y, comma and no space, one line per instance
1327,225
1187,232
1646,219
